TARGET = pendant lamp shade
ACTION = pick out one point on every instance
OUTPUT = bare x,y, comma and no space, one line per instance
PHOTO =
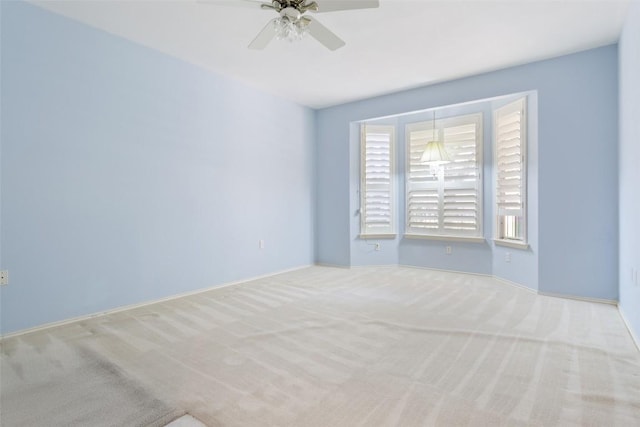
435,154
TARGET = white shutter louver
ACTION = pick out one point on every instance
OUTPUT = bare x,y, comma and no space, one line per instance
377,172
448,202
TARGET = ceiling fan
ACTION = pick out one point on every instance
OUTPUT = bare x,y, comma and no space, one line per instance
293,24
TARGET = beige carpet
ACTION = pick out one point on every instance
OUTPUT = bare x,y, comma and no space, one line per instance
384,346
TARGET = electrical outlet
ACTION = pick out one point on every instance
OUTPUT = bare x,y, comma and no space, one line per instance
447,250
4,277
507,257
377,246
261,244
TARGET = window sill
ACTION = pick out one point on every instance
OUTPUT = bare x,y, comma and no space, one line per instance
446,238
377,236
511,244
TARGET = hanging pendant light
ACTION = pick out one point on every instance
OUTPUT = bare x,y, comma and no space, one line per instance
434,153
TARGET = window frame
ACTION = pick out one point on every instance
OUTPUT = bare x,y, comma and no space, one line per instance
391,232
477,235
519,104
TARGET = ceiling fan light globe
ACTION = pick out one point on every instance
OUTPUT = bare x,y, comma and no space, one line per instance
287,29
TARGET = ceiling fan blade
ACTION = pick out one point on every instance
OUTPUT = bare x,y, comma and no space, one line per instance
252,4
334,5
264,37
323,34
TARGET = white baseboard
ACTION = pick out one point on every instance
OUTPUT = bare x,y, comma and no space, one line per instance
499,279
199,291
578,298
515,284
375,266
633,334
511,283
442,270
144,304
325,264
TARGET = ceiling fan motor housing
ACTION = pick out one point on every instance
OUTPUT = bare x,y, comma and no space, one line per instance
300,5
291,13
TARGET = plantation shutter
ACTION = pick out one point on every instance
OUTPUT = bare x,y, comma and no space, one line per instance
423,198
509,152
447,202
377,201
461,179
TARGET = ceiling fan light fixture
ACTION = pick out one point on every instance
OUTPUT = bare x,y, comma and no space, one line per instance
293,24
289,30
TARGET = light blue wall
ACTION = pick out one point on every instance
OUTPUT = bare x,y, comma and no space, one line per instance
332,189
629,168
578,178
128,175
577,187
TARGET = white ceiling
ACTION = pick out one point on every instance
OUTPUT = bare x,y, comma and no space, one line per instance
402,44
